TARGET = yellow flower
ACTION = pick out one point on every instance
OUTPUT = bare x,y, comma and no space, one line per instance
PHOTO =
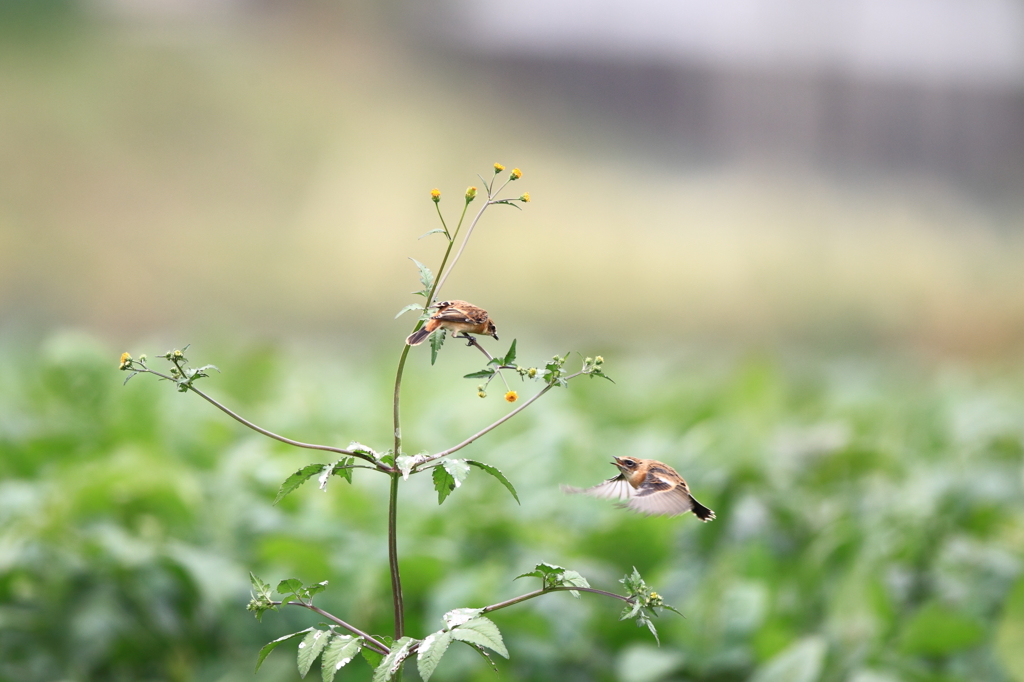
481,394
470,194
511,396
516,173
532,372
498,168
435,194
525,198
126,360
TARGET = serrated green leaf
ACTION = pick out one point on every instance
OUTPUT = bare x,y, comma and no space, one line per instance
298,478
426,276
480,650
482,374
289,586
310,648
340,650
393,661
270,646
430,652
260,586
494,471
343,468
481,631
411,306
448,476
371,657
436,341
642,620
457,617
309,590
574,579
510,356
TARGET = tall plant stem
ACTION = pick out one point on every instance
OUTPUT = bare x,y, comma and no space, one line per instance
396,579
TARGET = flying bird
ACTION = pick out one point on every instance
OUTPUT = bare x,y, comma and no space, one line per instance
649,487
456,317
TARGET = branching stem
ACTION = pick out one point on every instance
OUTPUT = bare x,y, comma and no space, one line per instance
538,593
377,646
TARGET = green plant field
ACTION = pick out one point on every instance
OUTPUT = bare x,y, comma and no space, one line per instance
870,515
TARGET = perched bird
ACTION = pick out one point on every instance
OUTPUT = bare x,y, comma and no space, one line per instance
649,487
455,316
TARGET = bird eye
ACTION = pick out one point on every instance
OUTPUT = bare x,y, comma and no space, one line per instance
629,462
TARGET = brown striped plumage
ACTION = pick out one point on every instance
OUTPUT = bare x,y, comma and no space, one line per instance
649,487
457,317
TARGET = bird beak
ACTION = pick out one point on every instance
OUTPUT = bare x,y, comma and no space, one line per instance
616,462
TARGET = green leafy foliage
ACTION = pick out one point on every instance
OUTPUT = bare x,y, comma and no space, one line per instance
431,649
411,306
262,598
645,602
494,471
436,341
293,587
449,475
400,651
426,278
323,471
310,649
270,646
556,576
339,652
850,493
481,632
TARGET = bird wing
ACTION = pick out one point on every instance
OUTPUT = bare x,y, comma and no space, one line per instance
661,495
459,315
617,488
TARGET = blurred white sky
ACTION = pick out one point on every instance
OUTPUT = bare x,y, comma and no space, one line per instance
941,41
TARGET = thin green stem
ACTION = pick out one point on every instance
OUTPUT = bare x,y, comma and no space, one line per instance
538,593
373,643
259,429
396,579
496,424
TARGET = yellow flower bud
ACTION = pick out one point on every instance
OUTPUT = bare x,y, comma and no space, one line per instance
435,195
126,360
511,396
470,194
481,394
532,372
498,168
516,174
525,198
598,360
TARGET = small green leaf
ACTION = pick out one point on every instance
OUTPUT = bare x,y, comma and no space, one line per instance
483,652
343,468
643,619
129,377
483,632
430,652
434,231
289,586
341,650
310,648
510,356
309,590
426,277
411,306
270,646
258,585
393,661
436,341
482,374
371,656
493,471
448,476
298,478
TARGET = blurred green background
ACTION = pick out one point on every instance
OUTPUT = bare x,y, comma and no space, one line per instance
826,345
